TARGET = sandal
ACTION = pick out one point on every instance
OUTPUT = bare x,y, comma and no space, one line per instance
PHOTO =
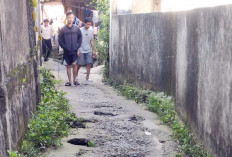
68,84
76,83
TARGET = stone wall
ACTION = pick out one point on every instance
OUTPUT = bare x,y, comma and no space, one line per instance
19,88
186,55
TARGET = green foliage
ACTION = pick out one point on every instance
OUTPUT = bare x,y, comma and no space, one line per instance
163,105
33,3
133,93
51,120
44,1
102,5
24,80
90,144
102,43
12,154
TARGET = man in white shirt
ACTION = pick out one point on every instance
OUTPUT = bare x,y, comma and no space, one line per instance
85,54
46,32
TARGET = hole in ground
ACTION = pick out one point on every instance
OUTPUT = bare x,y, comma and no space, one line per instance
79,141
103,106
135,118
162,141
104,113
77,124
89,121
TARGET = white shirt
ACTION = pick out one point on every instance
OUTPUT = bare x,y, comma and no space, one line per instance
46,32
87,36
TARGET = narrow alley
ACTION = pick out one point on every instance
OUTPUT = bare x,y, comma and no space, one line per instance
117,126
115,78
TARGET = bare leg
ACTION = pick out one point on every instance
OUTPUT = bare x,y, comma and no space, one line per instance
88,67
78,68
69,73
74,65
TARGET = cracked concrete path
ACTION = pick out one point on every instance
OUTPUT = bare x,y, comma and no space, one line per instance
117,126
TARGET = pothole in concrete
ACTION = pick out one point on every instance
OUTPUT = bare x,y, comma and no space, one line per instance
162,141
89,120
99,113
81,123
77,124
81,142
135,118
103,106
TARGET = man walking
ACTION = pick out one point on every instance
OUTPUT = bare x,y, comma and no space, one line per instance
70,39
85,55
46,32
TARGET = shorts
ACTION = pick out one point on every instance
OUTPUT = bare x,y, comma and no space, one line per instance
70,59
84,59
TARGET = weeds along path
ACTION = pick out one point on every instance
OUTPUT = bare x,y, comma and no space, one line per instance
110,124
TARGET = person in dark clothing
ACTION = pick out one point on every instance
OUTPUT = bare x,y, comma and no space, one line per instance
87,13
70,39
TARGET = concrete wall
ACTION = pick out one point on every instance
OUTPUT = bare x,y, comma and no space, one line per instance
187,55
19,88
146,6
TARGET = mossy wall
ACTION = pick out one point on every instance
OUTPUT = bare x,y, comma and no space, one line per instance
19,87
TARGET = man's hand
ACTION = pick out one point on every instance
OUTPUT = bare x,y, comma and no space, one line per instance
78,53
93,48
94,55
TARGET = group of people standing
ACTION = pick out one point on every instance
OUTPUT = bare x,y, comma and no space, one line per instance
77,44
